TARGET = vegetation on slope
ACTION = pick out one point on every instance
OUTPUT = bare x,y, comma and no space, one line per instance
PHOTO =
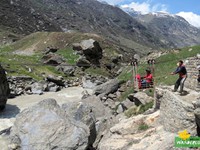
24,56
164,66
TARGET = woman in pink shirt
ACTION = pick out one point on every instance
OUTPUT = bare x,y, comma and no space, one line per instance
147,80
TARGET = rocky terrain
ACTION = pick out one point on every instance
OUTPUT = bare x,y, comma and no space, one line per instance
67,81
95,119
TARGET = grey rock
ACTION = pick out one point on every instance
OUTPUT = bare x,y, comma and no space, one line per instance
52,87
143,97
91,49
157,98
112,96
46,126
110,103
120,109
57,80
104,98
97,105
196,104
107,88
51,50
197,119
88,83
127,103
83,62
77,46
176,114
19,85
103,116
4,88
52,59
66,69
85,94
83,112
37,88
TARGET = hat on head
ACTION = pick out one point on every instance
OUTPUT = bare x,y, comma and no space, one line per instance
148,70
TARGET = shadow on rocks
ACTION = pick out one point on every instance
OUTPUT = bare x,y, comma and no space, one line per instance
10,111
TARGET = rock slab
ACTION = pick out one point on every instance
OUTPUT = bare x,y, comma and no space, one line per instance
46,126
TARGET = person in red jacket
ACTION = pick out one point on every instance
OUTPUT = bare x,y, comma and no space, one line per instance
181,70
147,79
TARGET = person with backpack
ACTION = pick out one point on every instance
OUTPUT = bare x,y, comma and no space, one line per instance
181,70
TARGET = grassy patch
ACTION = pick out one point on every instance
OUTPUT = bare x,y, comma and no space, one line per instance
69,55
131,111
138,110
97,71
125,94
163,67
167,63
143,126
126,74
17,65
145,107
149,92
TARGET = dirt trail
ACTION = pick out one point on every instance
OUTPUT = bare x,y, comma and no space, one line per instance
16,105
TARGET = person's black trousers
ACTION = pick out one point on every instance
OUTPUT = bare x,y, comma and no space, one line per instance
180,82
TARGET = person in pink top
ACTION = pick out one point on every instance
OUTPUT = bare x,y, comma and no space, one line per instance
148,78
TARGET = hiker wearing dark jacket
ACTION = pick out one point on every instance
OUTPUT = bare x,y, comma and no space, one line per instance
181,70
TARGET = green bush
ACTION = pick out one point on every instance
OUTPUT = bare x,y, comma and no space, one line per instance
134,110
143,126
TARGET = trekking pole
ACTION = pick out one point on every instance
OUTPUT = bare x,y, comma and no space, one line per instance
153,73
153,65
136,71
150,67
133,73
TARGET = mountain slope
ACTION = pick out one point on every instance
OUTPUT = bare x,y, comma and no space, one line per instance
19,18
139,34
172,30
83,16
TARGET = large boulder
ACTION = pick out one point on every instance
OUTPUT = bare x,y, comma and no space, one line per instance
175,113
140,132
88,83
141,98
104,118
82,112
57,80
90,49
83,62
98,108
46,126
37,88
4,88
52,59
66,69
107,88
51,50
197,114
